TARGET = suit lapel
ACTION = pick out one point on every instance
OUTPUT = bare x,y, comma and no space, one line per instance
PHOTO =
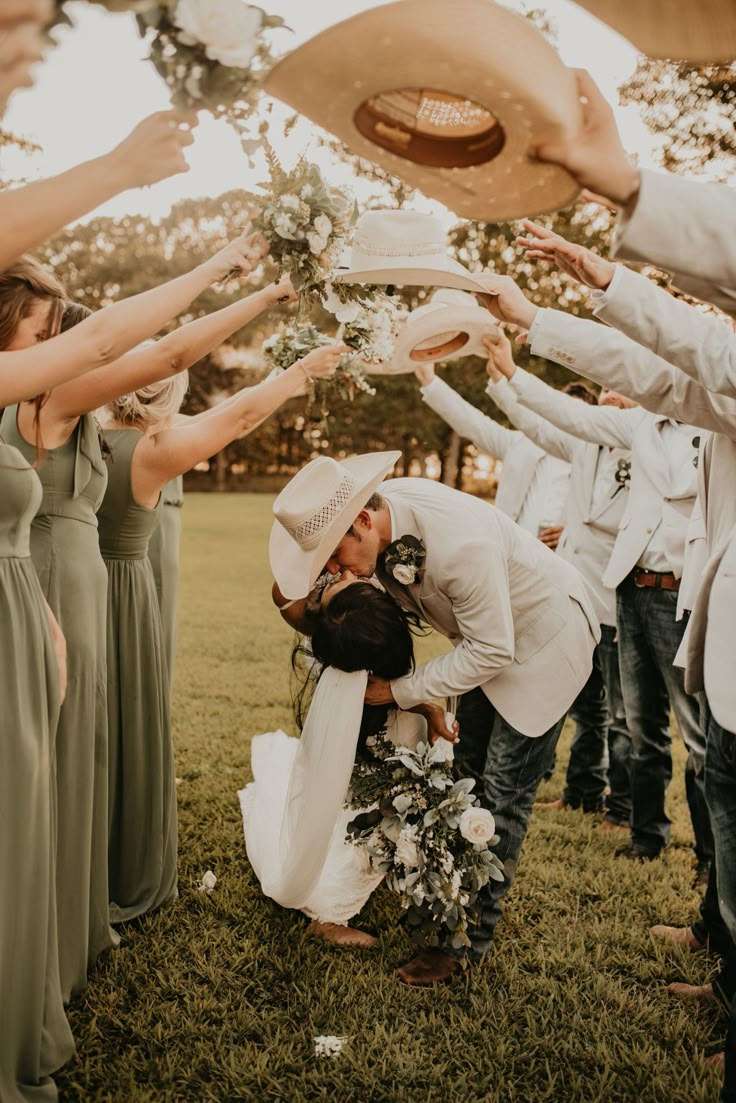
403,523
654,456
590,470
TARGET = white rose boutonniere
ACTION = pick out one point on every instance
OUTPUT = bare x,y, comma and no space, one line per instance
404,560
477,825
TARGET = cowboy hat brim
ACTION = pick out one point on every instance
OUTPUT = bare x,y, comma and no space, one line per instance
468,51
678,30
404,275
444,325
297,570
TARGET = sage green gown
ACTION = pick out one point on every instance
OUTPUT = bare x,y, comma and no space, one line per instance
66,554
163,551
35,1039
143,831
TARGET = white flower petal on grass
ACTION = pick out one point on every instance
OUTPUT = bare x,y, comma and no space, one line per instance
208,882
329,1045
228,29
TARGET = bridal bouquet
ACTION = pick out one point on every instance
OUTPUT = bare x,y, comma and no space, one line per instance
427,833
292,342
305,221
370,319
212,53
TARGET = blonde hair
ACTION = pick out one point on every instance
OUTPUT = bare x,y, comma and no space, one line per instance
155,404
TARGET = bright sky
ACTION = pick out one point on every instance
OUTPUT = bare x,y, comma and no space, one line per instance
94,88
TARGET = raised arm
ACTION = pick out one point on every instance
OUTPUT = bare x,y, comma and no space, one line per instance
501,369
614,360
108,334
701,345
176,352
170,452
33,213
464,418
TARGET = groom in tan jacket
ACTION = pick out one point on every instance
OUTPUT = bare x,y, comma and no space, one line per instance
522,621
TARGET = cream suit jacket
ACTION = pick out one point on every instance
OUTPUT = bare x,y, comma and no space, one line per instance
522,620
685,227
616,361
591,525
657,496
518,454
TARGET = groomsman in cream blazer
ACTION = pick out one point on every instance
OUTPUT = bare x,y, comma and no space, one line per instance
533,486
599,483
687,228
522,622
645,566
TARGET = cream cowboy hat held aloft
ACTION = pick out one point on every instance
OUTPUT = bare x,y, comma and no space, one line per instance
315,510
452,96
700,31
404,247
452,325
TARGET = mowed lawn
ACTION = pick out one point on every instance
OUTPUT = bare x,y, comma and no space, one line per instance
220,996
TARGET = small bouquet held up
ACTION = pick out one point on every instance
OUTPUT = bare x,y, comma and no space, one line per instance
370,319
292,342
213,55
427,832
305,221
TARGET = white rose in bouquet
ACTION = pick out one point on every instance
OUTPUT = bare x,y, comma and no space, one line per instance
406,848
323,226
477,825
317,244
442,751
404,573
343,312
228,29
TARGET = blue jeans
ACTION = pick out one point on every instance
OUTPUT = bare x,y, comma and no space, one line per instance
601,746
720,789
507,767
649,637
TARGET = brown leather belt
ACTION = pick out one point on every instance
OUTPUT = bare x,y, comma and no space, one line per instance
659,580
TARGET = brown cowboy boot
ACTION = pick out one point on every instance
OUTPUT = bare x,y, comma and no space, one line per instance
427,968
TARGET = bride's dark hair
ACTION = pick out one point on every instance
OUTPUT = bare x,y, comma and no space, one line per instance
361,628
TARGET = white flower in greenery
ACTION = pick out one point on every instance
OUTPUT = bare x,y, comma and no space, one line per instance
329,1045
343,312
290,202
404,573
228,29
208,882
407,852
323,226
477,825
316,243
442,751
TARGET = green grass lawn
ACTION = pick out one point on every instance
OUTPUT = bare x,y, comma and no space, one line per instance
219,997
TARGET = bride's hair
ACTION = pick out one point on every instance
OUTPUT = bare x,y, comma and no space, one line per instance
361,628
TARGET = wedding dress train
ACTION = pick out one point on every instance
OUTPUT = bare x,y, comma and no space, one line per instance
343,878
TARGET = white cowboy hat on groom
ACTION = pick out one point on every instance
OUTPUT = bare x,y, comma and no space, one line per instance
452,96
315,510
408,248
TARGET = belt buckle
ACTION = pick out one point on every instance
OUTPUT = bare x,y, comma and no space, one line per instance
637,575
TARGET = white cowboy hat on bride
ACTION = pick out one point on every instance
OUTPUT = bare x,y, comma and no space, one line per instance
403,247
315,510
450,326
452,97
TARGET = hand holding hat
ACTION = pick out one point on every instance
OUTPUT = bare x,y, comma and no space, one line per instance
506,301
594,155
500,364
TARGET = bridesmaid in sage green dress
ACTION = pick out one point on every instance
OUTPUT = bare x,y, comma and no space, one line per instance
66,555
163,551
35,1039
143,830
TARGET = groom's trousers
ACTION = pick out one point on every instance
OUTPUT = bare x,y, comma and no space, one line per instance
507,767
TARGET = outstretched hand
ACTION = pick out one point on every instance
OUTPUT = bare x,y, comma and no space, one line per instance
500,363
240,257
154,149
595,155
582,264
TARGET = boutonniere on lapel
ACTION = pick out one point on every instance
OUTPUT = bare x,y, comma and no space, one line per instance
622,476
404,560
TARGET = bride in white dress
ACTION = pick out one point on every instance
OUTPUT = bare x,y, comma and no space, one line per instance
293,812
